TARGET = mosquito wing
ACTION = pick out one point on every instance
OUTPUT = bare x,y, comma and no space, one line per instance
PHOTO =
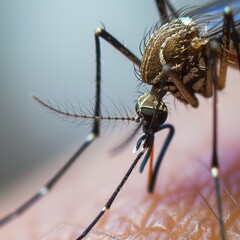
210,17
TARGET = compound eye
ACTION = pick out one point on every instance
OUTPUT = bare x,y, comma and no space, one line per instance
146,107
147,112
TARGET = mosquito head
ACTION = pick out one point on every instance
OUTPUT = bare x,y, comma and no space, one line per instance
147,106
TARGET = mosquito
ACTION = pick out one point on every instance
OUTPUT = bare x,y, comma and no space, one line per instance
180,56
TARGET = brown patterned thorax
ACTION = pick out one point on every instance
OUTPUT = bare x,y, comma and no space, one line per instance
173,44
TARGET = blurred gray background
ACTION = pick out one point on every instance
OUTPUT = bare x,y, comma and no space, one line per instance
47,48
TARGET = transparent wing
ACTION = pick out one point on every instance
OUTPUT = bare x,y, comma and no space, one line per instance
210,17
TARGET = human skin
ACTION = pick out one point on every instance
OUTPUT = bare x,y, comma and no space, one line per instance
183,204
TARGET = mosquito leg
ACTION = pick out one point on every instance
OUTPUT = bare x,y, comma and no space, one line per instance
164,6
225,49
215,168
45,189
150,168
114,195
217,81
116,44
90,138
101,33
188,95
211,75
161,154
219,84
162,10
53,181
213,80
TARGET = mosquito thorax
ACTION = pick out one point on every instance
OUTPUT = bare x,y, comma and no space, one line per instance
179,45
170,44
147,105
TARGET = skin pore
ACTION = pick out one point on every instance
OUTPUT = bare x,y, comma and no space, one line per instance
183,204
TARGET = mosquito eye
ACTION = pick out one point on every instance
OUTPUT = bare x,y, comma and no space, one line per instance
146,107
147,111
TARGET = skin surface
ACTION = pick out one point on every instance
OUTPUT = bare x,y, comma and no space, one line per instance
183,204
